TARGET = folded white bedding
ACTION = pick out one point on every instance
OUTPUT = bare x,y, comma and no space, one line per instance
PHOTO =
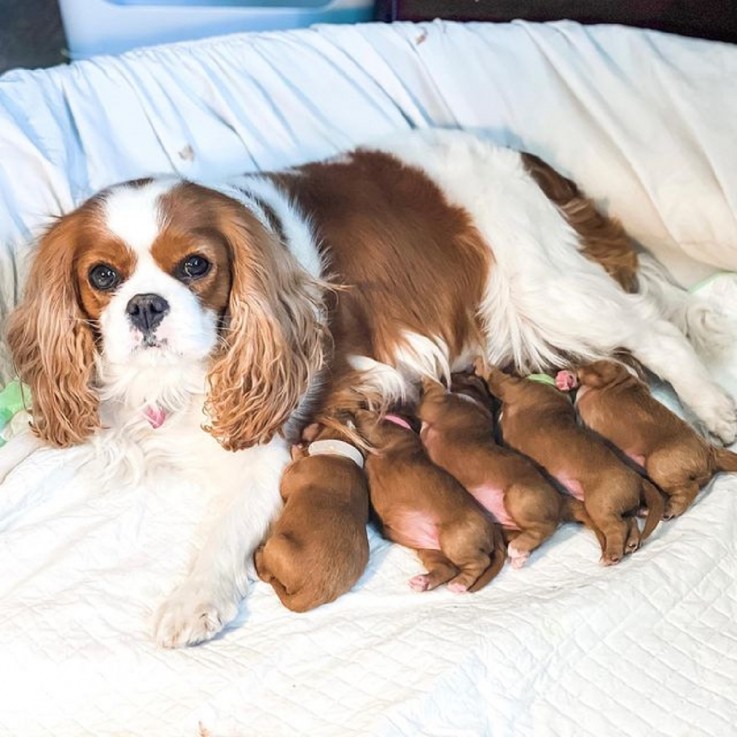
564,647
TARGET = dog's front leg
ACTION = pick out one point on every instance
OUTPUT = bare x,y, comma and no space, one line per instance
661,347
208,598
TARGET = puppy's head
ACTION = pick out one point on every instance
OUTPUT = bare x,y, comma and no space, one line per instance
603,373
155,277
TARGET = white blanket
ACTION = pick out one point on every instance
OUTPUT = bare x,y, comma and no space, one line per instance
563,647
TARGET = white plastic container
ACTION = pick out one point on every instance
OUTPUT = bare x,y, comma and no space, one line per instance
112,26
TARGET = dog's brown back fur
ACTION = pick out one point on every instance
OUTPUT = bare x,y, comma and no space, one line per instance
540,421
318,548
620,408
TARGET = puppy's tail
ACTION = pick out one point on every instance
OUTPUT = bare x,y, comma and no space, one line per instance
573,510
496,565
655,507
725,460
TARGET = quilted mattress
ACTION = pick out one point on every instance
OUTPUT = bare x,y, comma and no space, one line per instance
561,647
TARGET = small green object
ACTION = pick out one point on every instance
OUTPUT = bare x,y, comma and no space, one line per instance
709,279
13,399
542,379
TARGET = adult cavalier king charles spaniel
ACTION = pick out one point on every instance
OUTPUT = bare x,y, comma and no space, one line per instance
169,325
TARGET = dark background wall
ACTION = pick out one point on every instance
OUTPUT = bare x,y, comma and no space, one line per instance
30,34
715,19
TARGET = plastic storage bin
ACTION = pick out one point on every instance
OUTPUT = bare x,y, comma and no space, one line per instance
112,26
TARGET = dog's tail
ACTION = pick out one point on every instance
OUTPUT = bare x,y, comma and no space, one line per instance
496,565
655,507
574,510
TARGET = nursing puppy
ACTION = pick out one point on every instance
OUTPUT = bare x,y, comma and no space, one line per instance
620,408
457,432
540,421
421,506
318,548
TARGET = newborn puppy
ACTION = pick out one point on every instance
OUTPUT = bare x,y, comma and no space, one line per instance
540,421
318,548
423,507
619,407
457,432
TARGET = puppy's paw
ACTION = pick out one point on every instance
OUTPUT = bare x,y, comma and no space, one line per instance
674,507
611,558
517,558
457,587
718,413
192,614
420,582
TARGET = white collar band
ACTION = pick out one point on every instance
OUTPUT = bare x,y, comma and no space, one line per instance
336,448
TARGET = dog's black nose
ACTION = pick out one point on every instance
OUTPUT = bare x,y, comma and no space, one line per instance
146,311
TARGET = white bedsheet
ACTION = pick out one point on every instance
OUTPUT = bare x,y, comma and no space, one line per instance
563,647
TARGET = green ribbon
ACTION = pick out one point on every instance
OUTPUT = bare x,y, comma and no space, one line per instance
542,379
13,399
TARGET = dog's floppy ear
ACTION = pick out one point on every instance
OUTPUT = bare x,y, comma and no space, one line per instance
53,345
273,336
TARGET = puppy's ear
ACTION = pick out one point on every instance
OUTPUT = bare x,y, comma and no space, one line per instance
53,345
430,386
310,432
298,451
599,373
273,336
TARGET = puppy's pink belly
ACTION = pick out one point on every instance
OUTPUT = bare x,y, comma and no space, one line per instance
572,485
638,458
492,498
414,529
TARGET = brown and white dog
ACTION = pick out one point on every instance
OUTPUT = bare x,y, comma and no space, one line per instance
458,434
619,407
318,548
162,306
421,506
540,421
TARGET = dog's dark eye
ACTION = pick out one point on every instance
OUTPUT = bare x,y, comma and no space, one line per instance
103,277
194,267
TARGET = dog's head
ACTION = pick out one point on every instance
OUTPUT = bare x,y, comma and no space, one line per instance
159,276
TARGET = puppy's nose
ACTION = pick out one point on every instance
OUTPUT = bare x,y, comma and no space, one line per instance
146,311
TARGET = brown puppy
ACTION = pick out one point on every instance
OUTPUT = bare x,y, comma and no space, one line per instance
318,548
619,407
423,507
540,421
457,432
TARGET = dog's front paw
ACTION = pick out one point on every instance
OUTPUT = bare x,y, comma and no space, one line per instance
719,416
192,614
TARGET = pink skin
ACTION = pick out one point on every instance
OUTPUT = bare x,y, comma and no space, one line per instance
517,558
492,498
155,416
420,582
572,485
566,381
415,530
